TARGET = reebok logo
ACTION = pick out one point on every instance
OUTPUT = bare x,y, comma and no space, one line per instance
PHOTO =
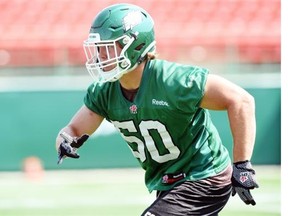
159,103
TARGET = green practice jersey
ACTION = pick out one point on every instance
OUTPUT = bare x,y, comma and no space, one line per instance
166,130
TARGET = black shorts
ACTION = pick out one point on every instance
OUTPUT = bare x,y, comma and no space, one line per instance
191,198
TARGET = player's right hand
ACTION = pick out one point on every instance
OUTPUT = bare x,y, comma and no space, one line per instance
69,146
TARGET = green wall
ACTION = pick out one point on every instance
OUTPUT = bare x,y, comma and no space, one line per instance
29,122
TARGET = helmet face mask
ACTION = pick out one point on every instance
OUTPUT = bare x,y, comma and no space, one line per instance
119,40
106,61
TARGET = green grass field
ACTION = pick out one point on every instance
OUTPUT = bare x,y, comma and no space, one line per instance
112,192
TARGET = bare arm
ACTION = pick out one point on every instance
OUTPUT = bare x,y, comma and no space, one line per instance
83,122
221,94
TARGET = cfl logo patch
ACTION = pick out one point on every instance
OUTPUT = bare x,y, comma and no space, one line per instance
133,109
149,214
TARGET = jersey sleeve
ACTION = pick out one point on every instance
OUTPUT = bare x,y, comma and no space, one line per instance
191,88
94,101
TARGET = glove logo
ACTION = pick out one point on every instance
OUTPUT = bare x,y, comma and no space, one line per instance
243,177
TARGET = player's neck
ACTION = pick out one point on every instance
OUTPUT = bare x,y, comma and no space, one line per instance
132,79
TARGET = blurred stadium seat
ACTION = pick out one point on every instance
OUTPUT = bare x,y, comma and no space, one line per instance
51,32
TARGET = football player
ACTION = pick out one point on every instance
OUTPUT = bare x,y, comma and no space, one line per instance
161,109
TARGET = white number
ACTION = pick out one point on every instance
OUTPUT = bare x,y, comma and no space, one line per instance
131,128
144,127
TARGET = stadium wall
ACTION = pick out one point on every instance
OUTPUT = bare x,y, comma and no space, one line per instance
30,121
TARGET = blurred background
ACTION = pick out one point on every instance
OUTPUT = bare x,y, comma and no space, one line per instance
43,77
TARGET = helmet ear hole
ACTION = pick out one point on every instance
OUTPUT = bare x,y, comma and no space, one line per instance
140,46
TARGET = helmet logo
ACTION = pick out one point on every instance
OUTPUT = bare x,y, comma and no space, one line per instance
131,20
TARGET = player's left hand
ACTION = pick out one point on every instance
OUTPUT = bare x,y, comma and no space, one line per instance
69,146
243,180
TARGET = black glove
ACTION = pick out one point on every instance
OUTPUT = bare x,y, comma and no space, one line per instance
243,180
69,146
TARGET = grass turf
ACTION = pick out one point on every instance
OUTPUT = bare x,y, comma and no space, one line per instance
112,192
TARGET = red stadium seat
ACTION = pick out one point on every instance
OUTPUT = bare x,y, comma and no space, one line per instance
55,29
